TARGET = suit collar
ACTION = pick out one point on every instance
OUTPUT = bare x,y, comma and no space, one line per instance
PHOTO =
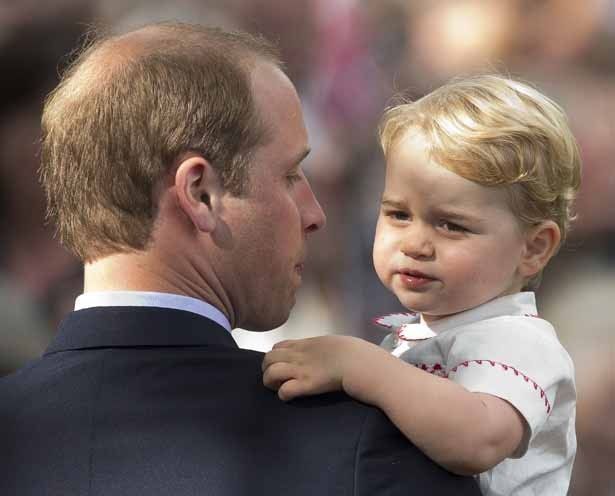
113,327
151,299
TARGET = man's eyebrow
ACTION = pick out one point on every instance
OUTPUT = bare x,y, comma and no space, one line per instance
300,157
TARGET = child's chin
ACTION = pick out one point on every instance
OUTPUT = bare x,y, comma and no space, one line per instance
417,302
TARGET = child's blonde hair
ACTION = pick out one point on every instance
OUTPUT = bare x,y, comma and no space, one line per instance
498,132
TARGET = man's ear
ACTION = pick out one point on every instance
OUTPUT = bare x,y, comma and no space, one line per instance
199,192
541,243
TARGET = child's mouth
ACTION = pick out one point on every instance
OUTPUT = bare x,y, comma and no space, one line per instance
415,279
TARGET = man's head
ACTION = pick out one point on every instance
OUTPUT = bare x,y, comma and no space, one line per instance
498,132
127,110
257,242
171,161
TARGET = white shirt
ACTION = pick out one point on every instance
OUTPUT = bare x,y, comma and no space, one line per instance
151,299
502,348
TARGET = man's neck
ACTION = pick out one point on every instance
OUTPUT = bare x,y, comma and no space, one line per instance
142,271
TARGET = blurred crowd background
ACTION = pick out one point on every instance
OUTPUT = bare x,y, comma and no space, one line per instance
348,58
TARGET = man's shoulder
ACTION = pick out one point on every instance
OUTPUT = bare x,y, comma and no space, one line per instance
210,402
380,455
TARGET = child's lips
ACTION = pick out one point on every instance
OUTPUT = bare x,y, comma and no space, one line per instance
414,279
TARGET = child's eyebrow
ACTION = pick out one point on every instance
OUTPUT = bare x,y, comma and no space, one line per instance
457,215
386,202
445,212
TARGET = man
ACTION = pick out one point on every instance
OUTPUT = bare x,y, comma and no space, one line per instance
171,162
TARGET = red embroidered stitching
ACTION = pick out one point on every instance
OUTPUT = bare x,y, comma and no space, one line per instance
437,369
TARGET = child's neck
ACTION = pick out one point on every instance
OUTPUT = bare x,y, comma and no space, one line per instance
430,319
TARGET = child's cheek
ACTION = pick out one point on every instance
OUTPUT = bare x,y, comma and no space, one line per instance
462,257
382,258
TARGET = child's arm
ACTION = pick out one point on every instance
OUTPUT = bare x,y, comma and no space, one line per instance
465,432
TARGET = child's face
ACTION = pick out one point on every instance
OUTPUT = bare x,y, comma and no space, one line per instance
443,244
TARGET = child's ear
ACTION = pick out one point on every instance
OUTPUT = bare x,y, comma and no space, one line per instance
199,192
541,243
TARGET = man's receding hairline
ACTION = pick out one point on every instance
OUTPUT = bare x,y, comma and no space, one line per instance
108,54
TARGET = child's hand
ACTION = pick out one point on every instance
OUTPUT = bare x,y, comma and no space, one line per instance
311,366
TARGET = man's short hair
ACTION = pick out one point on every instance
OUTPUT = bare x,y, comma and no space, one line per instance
126,111
498,132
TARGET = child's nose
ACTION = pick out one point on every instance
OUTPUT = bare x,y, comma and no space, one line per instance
417,242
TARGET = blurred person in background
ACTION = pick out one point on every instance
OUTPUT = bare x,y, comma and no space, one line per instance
23,332
32,263
171,160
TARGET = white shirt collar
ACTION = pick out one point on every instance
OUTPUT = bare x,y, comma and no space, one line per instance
151,299
414,326
520,304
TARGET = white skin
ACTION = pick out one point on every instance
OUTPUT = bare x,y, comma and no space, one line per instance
244,255
443,245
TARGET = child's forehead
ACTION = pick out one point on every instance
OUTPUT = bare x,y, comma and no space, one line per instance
417,141
413,172
415,144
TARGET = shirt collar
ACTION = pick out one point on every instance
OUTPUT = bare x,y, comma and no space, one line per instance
151,299
517,304
412,326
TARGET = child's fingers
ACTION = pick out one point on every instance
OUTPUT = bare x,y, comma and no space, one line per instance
277,373
287,343
275,356
292,389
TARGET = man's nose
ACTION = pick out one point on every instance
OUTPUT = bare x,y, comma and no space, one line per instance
417,241
312,215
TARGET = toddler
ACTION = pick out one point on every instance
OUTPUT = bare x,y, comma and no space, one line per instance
480,178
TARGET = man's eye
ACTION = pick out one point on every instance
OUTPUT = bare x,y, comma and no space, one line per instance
293,178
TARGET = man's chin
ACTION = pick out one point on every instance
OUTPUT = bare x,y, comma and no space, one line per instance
269,322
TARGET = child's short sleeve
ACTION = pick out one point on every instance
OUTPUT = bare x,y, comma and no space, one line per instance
518,359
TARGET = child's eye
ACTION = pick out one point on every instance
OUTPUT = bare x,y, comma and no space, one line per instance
451,226
398,215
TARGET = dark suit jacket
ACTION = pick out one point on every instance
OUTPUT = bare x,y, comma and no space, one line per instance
151,401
